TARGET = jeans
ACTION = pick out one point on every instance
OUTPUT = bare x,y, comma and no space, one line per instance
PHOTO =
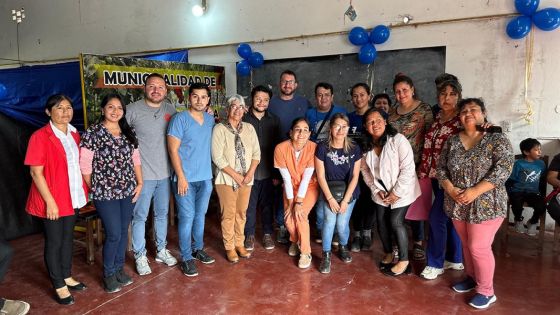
533,200
159,190
260,199
115,216
59,241
331,220
391,222
443,243
191,209
278,194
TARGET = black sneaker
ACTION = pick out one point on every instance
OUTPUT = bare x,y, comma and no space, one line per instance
325,266
203,257
356,244
344,253
111,284
189,268
123,278
283,237
366,243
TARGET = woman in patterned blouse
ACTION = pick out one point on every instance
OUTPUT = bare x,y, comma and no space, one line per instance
110,164
412,118
442,234
472,170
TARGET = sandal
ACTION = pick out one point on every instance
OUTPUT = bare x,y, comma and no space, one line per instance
418,252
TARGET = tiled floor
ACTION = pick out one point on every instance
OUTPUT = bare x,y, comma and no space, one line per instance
270,283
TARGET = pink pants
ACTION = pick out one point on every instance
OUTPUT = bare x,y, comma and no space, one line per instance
479,261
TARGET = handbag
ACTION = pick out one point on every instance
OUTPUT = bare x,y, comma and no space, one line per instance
337,189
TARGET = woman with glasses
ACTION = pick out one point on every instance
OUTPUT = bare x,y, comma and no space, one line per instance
236,154
337,163
388,170
294,158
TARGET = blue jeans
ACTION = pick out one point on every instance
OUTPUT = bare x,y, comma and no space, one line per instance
116,216
279,204
191,209
334,221
444,242
261,193
159,190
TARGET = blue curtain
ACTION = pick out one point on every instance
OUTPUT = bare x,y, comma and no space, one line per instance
24,90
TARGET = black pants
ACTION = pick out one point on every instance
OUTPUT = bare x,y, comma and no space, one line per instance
391,222
261,198
363,215
6,254
59,239
554,209
533,200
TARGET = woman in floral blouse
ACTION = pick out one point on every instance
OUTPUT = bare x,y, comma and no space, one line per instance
472,170
110,164
444,246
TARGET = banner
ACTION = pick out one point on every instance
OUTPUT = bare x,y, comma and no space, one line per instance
102,75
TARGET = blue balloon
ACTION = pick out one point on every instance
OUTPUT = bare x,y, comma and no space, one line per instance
379,34
547,19
526,7
243,68
519,27
3,91
367,54
358,36
256,60
244,51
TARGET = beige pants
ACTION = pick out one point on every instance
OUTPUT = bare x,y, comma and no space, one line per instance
233,205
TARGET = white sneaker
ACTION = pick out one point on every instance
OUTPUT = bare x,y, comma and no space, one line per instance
452,265
519,227
304,261
164,256
531,228
142,266
430,273
15,307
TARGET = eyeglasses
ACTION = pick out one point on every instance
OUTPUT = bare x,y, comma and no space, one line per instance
288,82
236,107
299,130
374,122
324,95
338,127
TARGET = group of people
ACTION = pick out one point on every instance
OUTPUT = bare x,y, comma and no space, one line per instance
283,158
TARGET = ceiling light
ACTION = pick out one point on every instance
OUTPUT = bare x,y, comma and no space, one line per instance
199,9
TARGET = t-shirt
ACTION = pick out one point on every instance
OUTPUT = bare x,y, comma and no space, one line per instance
287,111
316,118
555,165
356,124
150,124
526,176
196,145
339,165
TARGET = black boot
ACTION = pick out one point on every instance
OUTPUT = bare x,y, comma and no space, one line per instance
344,253
366,243
356,243
325,266
111,284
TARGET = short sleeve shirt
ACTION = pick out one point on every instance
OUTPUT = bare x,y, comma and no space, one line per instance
339,165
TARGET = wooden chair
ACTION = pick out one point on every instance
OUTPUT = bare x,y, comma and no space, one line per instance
89,218
506,224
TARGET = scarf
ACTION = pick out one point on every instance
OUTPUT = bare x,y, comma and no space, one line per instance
240,165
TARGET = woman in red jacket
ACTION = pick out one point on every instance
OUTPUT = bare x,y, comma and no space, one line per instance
57,191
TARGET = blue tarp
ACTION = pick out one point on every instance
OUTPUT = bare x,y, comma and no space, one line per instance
24,90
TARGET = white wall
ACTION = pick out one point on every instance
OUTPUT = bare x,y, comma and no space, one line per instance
488,63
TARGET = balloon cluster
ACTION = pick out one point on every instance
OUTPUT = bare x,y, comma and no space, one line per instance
546,19
251,59
360,37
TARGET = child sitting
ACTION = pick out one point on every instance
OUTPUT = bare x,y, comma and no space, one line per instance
524,183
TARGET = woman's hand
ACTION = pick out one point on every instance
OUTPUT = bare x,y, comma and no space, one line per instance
335,207
466,196
52,211
391,198
238,178
137,191
248,178
182,186
343,206
382,194
298,211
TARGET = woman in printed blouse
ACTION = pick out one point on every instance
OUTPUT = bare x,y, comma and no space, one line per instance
57,192
236,153
412,118
338,159
444,246
110,163
295,158
472,170
388,170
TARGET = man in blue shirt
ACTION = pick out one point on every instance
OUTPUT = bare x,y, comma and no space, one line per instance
319,116
189,140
